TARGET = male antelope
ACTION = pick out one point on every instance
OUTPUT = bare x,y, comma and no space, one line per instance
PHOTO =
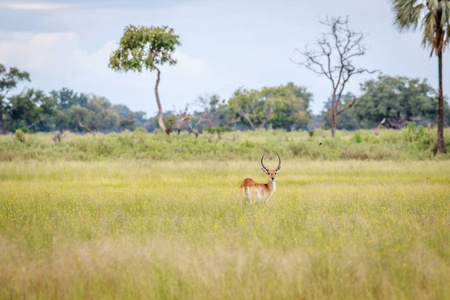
260,192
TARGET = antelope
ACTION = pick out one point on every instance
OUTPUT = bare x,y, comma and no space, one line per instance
260,192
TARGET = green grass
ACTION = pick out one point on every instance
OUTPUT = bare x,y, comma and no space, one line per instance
406,144
177,230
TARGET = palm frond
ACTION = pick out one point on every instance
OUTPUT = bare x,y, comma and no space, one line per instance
407,13
444,8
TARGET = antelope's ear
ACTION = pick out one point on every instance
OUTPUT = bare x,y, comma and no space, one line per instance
264,171
277,171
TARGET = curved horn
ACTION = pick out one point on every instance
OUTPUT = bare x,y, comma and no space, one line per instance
262,164
279,162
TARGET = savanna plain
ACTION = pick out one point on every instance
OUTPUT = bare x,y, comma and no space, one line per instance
177,228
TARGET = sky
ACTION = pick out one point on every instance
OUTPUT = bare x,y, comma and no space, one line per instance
224,45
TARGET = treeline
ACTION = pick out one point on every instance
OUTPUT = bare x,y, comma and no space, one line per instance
392,101
35,110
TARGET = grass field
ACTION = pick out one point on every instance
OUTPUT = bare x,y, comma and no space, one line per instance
177,230
396,145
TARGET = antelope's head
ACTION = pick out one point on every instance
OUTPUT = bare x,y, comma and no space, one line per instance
271,173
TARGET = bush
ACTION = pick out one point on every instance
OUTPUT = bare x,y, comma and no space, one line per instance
418,143
20,136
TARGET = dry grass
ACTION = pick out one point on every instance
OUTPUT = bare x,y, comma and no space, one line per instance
166,230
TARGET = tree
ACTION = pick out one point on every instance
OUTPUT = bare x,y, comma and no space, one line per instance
284,106
243,104
288,106
69,119
127,117
333,58
436,34
31,107
66,98
102,116
347,119
8,81
147,48
397,99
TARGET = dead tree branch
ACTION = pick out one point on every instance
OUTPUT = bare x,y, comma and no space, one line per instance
85,127
332,57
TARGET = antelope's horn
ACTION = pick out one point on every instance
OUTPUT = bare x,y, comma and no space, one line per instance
262,164
279,162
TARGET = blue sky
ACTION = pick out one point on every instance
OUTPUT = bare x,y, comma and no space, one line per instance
224,45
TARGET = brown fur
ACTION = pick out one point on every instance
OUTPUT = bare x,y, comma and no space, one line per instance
264,190
254,191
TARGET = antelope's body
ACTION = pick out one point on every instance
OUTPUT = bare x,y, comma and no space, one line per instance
260,192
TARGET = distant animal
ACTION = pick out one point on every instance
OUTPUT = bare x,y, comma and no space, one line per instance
260,192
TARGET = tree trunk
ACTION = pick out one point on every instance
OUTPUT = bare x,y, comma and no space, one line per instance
333,115
333,123
252,126
160,114
3,128
440,122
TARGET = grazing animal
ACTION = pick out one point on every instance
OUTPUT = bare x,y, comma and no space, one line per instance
260,192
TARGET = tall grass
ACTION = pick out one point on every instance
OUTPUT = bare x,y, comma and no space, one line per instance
177,230
407,144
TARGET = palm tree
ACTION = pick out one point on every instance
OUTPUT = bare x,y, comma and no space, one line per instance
436,33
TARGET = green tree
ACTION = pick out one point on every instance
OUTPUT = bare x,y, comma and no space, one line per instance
436,34
284,106
8,81
128,123
290,106
145,48
243,104
75,114
66,98
98,115
102,116
31,107
68,120
127,119
397,99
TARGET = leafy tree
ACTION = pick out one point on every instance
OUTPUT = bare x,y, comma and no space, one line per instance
146,48
69,119
243,103
290,106
141,117
66,98
31,107
102,117
128,123
127,119
436,34
8,81
333,57
281,106
98,115
397,99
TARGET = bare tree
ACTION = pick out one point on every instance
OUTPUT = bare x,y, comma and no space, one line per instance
85,127
332,57
183,115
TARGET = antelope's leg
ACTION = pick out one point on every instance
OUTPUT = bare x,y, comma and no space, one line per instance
249,195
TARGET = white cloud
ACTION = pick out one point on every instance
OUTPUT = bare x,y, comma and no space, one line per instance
56,60
34,6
